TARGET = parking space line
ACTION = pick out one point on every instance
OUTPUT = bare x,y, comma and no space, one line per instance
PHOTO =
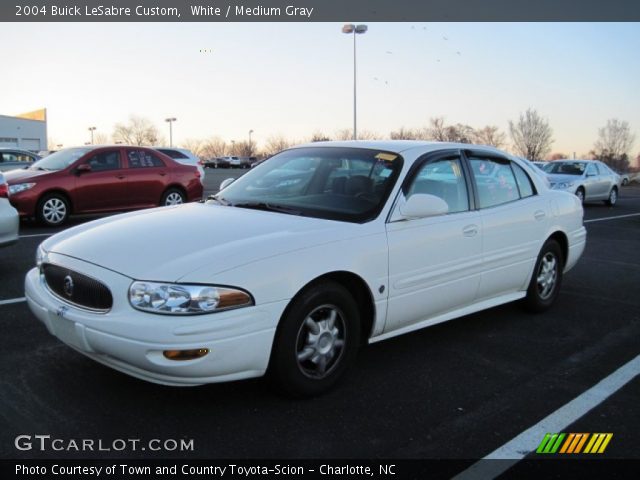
526,443
12,300
612,218
37,235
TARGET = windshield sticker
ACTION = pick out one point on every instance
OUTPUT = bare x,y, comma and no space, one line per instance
389,157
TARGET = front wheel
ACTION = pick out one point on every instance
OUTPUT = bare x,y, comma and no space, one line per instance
613,197
546,279
580,194
173,196
53,210
316,341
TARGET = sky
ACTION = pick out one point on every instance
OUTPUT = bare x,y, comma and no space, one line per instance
294,79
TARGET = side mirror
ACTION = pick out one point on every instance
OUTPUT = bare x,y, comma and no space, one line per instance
84,168
226,183
421,205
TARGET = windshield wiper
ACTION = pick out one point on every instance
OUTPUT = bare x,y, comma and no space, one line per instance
268,207
218,199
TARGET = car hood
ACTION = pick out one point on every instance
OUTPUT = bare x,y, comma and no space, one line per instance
560,178
168,243
23,175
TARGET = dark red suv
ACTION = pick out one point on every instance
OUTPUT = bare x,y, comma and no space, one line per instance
100,179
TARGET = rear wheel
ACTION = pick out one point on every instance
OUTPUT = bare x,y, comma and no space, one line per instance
173,196
613,197
53,210
316,341
546,279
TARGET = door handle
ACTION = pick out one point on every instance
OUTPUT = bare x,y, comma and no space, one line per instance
539,215
120,177
470,231
162,174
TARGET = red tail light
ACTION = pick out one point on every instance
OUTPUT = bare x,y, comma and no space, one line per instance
4,190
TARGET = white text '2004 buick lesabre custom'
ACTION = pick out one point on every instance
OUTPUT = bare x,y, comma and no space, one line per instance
290,268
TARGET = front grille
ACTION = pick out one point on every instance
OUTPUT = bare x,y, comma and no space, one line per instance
77,289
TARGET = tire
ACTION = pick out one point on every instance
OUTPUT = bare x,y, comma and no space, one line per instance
53,210
580,194
541,293
316,341
613,197
172,196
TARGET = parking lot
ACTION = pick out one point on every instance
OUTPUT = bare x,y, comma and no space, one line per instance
461,389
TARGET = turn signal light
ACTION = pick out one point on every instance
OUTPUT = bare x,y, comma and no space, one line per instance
180,355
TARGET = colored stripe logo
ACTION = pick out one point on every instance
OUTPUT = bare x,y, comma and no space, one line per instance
574,443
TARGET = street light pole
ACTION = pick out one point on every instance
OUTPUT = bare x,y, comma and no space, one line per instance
350,28
170,120
250,149
92,129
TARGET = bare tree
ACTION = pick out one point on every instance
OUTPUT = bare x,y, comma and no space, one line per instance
195,145
214,147
138,131
405,134
557,156
344,134
241,149
275,144
614,143
436,130
531,135
101,139
489,135
440,132
318,136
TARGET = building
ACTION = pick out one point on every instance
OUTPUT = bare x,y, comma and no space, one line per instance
27,131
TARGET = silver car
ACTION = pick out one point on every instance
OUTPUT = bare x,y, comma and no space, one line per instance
9,220
13,158
589,180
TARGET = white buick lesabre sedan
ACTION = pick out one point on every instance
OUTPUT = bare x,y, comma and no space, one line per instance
291,267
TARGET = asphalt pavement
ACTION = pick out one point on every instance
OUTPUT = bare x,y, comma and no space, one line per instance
457,390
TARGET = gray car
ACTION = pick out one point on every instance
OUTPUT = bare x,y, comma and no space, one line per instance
12,158
589,180
9,220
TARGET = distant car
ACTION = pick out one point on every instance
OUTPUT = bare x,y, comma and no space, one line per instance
217,162
185,157
624,179
589,180
540,165
353,242
100,179
12,158
9,219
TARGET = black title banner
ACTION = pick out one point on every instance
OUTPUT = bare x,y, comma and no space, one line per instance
319,10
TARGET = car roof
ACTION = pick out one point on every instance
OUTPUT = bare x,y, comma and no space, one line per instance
13,149
399,146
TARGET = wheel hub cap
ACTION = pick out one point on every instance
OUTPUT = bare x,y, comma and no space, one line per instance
320,341
547,276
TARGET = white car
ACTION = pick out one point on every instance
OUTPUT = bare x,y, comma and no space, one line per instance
288,270
589,180
185,157
9,219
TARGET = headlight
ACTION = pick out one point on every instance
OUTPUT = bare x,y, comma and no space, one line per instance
41,257
20,187
563,185
179,299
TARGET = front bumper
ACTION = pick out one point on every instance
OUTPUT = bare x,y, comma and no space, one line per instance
9,225
239,341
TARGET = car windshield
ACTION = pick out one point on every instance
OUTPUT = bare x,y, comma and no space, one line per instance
565,168
61,159
347,184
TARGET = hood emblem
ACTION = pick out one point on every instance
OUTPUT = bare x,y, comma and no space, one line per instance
68,286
